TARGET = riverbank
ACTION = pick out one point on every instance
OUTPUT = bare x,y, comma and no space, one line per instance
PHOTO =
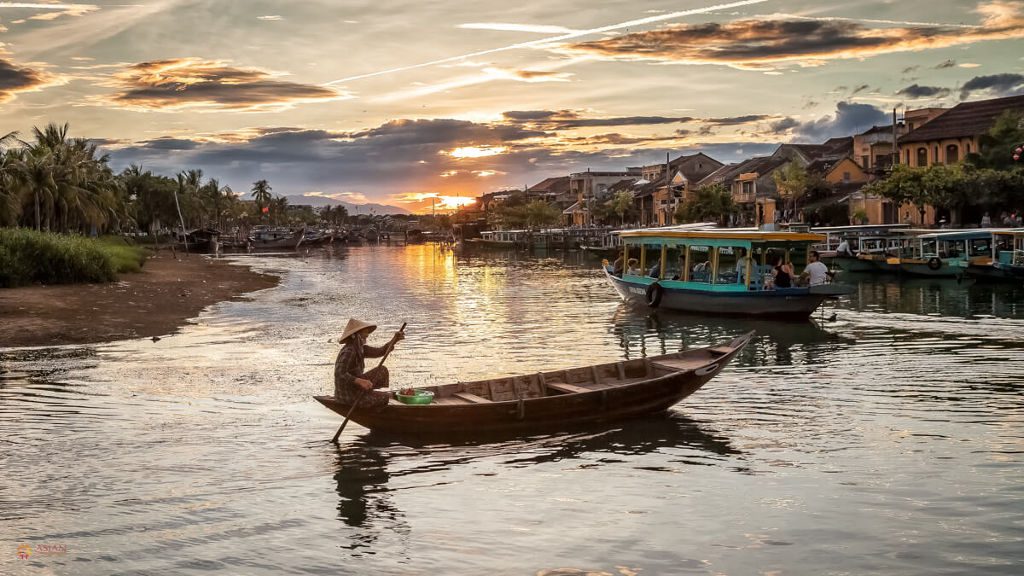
154,302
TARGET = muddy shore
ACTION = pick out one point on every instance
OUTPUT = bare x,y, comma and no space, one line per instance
154,302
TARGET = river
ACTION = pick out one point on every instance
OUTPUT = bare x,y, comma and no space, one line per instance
886,436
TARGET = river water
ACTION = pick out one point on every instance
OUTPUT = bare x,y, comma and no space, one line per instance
887,440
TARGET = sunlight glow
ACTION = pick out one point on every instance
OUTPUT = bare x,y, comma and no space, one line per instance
476,151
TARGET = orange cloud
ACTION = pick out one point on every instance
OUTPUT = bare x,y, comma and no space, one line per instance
15,78
194,83
775,43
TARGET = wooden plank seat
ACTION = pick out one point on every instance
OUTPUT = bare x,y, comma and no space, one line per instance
471,397
568,388
720,350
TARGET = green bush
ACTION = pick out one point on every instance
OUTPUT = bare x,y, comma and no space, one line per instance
28,257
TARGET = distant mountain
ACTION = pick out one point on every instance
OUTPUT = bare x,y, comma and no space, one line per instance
317,201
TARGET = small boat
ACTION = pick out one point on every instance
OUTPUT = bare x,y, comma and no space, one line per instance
200,240
546,400
276,238
719,271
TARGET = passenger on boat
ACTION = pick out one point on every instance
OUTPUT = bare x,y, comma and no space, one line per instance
350,380
741,265
655,270
617,267
816,273
844,249
634,267
782,273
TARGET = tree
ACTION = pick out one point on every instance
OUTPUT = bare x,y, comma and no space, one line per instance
261,194
792,182
712,202
216,194
621,204
279,209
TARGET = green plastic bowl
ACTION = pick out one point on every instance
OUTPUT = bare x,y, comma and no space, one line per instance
420,397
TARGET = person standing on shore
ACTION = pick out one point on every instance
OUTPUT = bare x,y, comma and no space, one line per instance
350,380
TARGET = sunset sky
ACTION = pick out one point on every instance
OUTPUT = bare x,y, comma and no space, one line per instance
397,101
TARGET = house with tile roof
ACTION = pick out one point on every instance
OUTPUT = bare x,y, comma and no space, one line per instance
955,133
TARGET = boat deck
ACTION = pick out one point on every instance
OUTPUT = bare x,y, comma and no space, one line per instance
545,385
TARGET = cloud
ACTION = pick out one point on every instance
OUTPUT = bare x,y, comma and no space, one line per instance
531,76
15,79
168,143
915,91
270,18
194,83
850,118
50,10
996,85
569,119
783,125
781,43
946,64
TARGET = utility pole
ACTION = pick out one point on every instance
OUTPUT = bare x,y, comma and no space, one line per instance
895,147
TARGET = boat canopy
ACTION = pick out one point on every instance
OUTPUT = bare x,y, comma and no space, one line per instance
729,237
954,235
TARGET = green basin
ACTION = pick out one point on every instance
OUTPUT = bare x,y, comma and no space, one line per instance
420,397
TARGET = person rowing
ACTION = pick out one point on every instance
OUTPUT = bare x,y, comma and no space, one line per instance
352,382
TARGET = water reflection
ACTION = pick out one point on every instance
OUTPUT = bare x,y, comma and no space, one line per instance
937,297
641,333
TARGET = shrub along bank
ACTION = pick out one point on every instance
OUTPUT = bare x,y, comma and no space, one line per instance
30,257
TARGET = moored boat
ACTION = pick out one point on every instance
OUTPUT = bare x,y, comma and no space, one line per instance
553,399
721,272
276,238
1004,261
944,254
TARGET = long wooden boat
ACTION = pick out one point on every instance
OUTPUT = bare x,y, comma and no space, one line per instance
276,238
718,271
944,254
560,398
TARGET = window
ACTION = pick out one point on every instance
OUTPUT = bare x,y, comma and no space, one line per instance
748,188
922,156
968,149
846,176
935,156
952,154
865,161
906,156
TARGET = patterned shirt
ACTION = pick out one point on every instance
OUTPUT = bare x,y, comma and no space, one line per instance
350,362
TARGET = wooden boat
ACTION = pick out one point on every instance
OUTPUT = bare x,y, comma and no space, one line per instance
276,238
944,254
560,398
719,271
1003,260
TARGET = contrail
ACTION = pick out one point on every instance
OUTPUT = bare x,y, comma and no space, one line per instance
570,35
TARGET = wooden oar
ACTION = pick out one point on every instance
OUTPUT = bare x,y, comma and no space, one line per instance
360,396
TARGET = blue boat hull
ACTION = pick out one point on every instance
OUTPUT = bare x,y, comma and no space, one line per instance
781,302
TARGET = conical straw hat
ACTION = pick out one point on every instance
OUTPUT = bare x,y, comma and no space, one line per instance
354,326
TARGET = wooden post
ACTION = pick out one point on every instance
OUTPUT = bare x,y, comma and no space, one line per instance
714,264
686,264
661,267
749,259
643,259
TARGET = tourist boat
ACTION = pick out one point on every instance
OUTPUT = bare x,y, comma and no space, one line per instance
553,399
944,254
276,238
1004,261
834,235
874,253
703,271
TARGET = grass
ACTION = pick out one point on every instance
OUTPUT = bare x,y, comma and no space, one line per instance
30,257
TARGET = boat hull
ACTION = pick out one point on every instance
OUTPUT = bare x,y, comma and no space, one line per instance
855,264
781,302
925,268
601,404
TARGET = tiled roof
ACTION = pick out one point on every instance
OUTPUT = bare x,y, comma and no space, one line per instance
555,185
964,119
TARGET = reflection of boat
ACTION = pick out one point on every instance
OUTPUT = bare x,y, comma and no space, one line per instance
268,238
568,397
721,272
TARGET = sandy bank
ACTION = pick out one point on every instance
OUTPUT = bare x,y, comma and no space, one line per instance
154,302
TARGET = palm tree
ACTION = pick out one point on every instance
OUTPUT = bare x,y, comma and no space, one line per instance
215,193
261,194
279,209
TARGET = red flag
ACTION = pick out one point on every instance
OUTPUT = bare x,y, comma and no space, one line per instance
266,209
